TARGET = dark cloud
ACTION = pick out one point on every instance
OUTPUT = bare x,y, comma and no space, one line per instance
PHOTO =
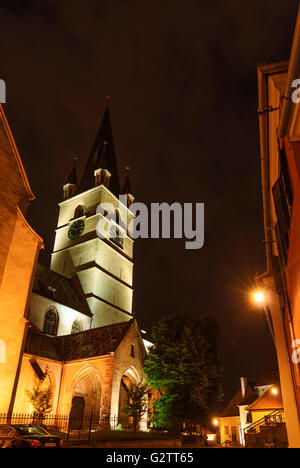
182,77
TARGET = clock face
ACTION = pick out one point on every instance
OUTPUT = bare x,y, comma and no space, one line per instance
76,229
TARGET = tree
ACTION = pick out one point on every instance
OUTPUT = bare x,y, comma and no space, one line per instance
136,403
183,368
41,396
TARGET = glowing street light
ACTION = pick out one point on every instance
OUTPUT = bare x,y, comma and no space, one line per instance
261,298
274,390
258,297
215,422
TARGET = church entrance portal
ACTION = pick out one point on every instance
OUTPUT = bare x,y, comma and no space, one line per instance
86,398
77,413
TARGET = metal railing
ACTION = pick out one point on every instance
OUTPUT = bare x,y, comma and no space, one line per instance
272,418
72,429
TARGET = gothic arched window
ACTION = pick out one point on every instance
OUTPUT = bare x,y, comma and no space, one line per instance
51,322
79,211
76,327
117,216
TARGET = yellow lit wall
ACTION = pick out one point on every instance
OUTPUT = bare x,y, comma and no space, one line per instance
229,422
14,293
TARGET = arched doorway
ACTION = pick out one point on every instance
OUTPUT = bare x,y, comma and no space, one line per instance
128,378
86,398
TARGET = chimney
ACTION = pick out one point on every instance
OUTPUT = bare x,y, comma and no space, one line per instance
244,385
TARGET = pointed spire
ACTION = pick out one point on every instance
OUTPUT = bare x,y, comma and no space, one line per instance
127,186
127,189
71,184
102,157
72,179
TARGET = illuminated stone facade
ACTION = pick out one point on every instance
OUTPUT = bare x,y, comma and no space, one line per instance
19,250
82,329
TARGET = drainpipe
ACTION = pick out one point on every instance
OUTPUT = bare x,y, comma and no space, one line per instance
264,163
293,73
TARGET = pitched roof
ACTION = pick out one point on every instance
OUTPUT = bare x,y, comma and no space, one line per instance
267,401
102,156
56,287
90,343
72,179
238,400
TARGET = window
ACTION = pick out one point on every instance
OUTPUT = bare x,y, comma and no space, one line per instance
283,219
51,322
76,327
2,352
249,417
28,429
283,201
117,216
79,211
132,351
226,429
6,431
116,236
285,176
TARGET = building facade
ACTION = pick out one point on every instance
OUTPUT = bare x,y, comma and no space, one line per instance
279,126
82,334
19,250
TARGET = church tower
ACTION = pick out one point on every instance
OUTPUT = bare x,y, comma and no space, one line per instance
104,266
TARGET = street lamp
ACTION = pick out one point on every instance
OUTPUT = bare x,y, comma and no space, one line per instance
258,297
215,422
274,390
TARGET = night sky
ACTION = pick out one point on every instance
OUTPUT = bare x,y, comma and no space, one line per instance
182,76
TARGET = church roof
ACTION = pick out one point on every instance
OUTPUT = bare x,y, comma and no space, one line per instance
102,156
56,287
90,343
72,179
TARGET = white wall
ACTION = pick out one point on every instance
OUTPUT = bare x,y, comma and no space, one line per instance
40,305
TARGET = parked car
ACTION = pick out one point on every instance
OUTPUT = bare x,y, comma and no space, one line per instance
27,436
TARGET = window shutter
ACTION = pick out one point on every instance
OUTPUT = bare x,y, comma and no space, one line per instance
286,176
281,207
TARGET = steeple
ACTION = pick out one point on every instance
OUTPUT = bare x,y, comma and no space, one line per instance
102,157
72,179
127,186
128,191
71,184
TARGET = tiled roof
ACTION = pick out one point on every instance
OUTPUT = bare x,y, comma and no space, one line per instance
90,343
267,401
56,287
238,400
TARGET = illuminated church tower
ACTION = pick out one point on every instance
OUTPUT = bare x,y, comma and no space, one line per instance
103,266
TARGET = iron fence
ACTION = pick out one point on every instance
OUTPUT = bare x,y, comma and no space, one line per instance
72,430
